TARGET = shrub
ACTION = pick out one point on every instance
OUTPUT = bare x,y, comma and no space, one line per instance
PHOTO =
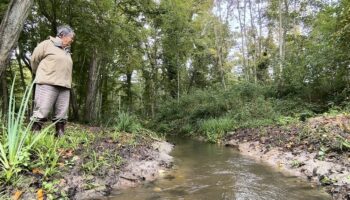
127,122
215,128
15,143
215,111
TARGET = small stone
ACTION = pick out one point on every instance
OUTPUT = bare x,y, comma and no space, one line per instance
232,144
157,189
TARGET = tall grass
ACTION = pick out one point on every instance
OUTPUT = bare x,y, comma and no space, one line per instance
215,128
46,150
127,123
15,145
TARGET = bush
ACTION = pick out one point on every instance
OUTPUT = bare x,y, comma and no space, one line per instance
213,112
215,128
17,139
127,123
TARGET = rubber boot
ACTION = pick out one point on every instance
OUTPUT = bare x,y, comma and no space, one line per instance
36,127
59,129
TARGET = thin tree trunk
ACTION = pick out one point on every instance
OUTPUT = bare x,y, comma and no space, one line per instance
24,59
90,107
155,82
4,95
21,72
11,27
254,51
104,96
178,77
49,13
242,27
260,29
128,90
285,27
219,45
74,105
280,41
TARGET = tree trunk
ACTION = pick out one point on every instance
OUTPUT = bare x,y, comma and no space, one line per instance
74,105
129,99
243,39
260,29
104,97
147,93
21,72
90,107
11,27
281,39
50,13
4,94
255,42
24,58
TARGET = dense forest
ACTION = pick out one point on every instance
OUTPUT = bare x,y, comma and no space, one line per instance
183,64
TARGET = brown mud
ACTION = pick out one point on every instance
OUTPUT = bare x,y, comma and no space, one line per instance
93,171
317,150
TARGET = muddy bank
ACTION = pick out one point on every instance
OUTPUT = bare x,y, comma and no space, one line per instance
143,165
103,161
315,150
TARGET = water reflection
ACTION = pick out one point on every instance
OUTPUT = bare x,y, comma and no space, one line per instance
205,171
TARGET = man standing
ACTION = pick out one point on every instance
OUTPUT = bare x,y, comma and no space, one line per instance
52,65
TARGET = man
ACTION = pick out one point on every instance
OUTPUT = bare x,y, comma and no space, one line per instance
52,65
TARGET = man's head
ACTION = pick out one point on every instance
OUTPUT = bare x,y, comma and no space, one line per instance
66,34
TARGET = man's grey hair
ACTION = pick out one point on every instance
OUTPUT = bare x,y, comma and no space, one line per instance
64,30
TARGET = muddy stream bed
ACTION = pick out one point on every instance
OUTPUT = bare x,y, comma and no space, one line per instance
209,171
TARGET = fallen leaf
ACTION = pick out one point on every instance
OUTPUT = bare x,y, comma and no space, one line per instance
37,171
40,194
17,195
69,153
66,153
61,164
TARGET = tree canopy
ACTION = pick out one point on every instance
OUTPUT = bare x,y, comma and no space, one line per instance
135,55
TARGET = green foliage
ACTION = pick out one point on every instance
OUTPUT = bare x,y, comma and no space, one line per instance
47,155
285,120
94,162
16,143
296,163
322,152
213,112
344,144
214,129
179,46
3,8
127,123
74,137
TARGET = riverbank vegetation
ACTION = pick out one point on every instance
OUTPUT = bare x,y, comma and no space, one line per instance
214,112
85,160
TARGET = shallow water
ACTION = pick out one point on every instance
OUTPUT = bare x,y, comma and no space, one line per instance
207,171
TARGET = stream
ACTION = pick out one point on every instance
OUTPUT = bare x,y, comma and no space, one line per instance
208,171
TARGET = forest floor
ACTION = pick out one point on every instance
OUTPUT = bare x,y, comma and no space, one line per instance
317,149
103,162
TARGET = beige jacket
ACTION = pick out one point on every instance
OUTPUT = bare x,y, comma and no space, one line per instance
52,64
